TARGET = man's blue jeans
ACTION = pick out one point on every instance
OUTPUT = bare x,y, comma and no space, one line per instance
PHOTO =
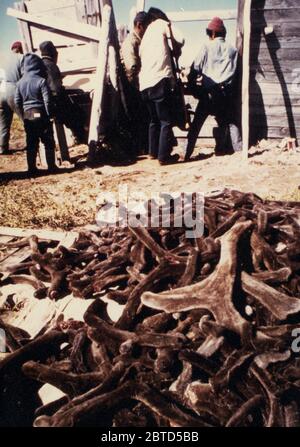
223,111
158,100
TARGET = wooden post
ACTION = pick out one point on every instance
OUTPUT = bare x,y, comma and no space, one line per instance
246,78
62,141
108,50
24,29
132,15
140,5
240,29
201,16
101,73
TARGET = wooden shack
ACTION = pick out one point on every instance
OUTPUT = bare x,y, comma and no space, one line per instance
274,90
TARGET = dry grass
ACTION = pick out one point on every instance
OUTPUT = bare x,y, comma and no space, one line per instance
293,195
52,204
68,200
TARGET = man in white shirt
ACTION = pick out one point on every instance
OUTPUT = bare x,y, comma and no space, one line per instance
215,66
156,82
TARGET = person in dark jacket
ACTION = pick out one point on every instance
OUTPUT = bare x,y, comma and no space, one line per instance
12,73
33,103
65,111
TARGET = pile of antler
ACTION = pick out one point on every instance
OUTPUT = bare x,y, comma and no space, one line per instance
206,333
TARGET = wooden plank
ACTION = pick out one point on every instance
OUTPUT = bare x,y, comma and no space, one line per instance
41,234
81,31
59,39
246,77
5,239
88,11
80,10
201,16
274,4
283,55
10,253
272,100
239,45
281,32
278,89
273,110
268,67
271,77
240,27
275,42
275,16
42,5
140,5
271,120
25,30
62,141
5,253
100,73
77,59
276,132
51,10
19,256
93,10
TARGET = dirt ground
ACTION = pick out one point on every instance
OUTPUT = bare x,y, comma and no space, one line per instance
67,200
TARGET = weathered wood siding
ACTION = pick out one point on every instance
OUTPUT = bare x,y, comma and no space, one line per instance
77,57
275,70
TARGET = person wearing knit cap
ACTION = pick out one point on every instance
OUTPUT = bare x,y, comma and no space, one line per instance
17,47
49,55
217,26
65,112
212,79
12,72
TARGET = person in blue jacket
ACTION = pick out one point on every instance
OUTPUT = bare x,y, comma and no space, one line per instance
33,103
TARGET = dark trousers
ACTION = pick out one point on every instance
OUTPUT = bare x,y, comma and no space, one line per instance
70,114
218,103
158,100
139,118
39,129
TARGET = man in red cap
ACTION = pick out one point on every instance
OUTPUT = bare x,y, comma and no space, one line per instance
212,80
12,73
